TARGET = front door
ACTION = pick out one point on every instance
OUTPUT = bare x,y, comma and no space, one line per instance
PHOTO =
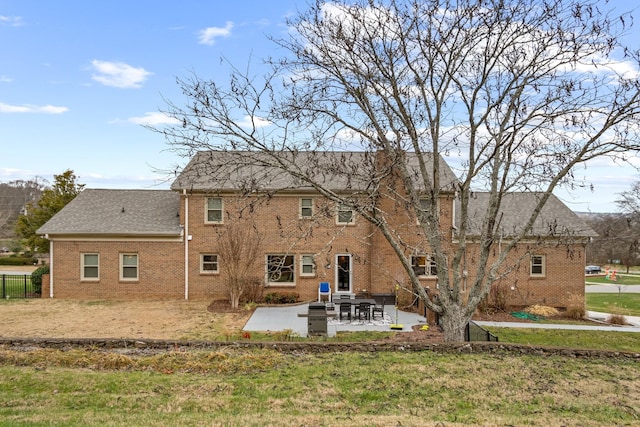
343,273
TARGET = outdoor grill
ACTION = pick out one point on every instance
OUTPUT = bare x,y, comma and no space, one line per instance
317,319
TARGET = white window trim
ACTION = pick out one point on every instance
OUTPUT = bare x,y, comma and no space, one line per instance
543,265
301,207
353,215
83,265
280,284
206,210
423,210
429,262
121,273
202,262
302,265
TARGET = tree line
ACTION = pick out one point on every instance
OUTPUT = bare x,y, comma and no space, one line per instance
28,205
618,240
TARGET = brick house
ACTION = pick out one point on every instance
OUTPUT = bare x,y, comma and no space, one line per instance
128,244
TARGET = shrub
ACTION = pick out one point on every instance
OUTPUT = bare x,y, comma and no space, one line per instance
617,319
281,298
575,308
575,312
253,290
36,278
15,260
495,301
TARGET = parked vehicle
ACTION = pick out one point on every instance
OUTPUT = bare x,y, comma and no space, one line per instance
592,269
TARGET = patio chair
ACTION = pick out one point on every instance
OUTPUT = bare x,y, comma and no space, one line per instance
363,309
345,309
324,289
378,309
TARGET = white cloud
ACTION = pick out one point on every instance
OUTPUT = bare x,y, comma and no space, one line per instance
118,74
28,108
13,21
5,79
249,122
154,119
208,35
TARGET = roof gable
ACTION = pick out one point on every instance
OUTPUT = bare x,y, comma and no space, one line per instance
555,219
337,170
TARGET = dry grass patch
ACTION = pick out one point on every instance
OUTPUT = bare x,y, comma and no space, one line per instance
541,310
617,319
53,318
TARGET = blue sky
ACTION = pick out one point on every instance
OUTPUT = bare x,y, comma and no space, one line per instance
78,78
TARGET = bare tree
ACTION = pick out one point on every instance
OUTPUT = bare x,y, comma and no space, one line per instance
618,238
628,225
239,247
516,93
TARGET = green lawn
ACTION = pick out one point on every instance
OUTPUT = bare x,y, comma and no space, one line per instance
16,286
268,388
617,303
596,340
624,279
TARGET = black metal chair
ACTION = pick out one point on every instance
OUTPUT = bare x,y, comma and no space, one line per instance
378,309
363,309
345,309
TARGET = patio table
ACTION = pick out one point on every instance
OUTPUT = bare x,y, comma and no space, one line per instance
355,302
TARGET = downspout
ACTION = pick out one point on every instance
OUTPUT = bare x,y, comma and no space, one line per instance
50,266
186,244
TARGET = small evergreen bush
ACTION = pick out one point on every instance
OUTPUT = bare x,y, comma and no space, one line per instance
36,278
281,298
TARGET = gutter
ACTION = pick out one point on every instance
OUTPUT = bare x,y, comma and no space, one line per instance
187,238
50,266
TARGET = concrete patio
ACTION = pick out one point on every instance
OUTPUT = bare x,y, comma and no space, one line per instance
294,318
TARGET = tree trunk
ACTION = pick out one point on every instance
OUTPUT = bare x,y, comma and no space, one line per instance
453,324
234,299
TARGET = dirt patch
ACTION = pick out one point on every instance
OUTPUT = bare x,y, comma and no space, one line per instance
46,318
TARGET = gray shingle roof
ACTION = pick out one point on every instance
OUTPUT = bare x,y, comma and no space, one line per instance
118,212
555,219
338,170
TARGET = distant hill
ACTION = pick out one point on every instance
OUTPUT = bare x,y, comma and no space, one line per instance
586,216
14,196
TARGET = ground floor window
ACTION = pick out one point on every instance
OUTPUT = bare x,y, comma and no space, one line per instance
280,269
307,265
208,263
537,265
90,269
128,266
424,265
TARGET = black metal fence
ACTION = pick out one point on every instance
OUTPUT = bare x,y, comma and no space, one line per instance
17,286
475,332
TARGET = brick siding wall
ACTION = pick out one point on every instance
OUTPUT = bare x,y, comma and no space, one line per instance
160,270
375,266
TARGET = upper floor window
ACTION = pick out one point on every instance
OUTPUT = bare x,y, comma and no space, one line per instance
90,269
538,265
424,265
214,210
306,207
345,215
208,263
425,205
128,266
280,269
307,265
